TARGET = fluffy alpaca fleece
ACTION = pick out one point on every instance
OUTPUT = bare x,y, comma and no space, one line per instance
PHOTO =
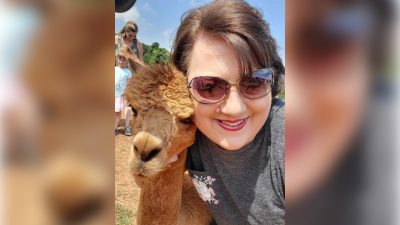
162,129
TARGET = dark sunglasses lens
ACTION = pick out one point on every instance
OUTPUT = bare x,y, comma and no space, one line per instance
257,85
209,89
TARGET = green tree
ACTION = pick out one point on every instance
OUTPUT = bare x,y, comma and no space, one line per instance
153,54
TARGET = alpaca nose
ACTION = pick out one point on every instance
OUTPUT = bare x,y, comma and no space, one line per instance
147,156
146,146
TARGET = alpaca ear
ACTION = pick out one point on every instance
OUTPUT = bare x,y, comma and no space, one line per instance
135,63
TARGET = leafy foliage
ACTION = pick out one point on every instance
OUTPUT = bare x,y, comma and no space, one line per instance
153,54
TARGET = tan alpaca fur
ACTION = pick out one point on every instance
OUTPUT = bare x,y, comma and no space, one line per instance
162,129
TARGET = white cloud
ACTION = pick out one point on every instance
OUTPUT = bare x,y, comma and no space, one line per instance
132,14
147,8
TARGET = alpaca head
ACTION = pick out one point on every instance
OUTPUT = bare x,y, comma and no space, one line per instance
162,123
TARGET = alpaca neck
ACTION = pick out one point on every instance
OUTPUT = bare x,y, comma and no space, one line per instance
160,197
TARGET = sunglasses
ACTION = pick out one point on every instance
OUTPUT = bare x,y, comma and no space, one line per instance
209,89
131,30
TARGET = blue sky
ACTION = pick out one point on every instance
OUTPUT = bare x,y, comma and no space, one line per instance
158,20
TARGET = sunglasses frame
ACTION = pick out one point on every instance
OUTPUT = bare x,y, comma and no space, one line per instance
237,85
131,30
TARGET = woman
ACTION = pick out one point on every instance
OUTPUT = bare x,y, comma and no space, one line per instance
234,73
127,38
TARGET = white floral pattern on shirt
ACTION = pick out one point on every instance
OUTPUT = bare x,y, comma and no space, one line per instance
203,187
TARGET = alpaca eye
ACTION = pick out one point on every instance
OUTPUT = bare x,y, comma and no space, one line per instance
186,121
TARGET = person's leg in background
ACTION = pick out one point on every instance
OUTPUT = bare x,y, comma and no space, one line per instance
128,117
117,114
117,119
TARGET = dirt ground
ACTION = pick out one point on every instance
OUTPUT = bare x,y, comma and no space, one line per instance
126,191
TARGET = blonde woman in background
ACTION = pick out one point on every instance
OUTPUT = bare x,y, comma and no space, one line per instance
127,38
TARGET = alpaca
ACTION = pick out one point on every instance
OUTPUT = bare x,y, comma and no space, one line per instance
163,130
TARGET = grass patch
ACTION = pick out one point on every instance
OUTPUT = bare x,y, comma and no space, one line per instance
122,216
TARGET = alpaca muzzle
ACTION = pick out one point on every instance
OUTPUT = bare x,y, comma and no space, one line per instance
146,147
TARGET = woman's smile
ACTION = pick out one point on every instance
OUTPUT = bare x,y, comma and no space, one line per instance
232,125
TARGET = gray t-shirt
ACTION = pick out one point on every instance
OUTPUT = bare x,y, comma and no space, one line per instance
244,186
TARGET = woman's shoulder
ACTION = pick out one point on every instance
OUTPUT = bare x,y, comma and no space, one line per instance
277,153
277,116
277,128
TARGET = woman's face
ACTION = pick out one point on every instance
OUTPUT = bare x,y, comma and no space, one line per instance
236,120
130,34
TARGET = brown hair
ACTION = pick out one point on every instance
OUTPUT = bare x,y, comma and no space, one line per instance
130,25
241,26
